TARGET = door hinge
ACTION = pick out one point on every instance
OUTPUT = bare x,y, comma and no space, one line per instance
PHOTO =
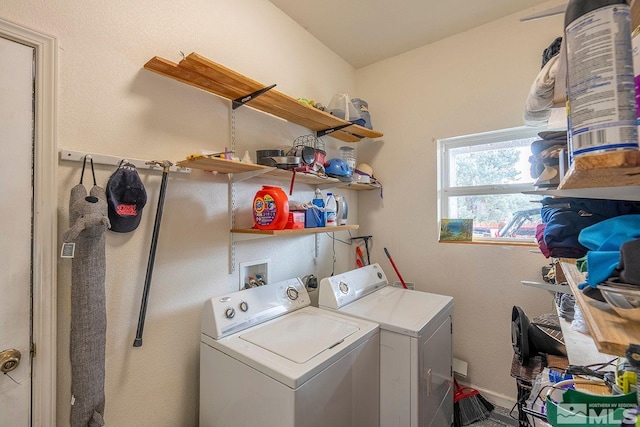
32,350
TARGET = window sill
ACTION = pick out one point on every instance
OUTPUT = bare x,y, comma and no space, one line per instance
493,242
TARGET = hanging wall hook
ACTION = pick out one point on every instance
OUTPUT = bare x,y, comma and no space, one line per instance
164,164
84,164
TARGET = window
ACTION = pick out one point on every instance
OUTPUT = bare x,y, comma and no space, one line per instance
482,177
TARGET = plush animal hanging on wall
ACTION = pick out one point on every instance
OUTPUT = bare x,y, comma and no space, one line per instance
88,221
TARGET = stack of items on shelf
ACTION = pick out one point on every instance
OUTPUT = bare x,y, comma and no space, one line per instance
603,147
307,155
537,344
613,275
354,110
325,213
547,94
563,220
272,210
604,237
548,159
576,395
553,392
603,135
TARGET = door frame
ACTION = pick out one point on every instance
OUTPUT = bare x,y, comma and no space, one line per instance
45,209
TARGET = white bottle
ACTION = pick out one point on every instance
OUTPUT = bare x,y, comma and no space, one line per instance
319,214
331,209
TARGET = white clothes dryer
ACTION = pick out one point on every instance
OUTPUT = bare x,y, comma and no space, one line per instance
416,355
268,359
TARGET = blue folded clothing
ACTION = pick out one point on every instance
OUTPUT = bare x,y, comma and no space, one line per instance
604,240
566,217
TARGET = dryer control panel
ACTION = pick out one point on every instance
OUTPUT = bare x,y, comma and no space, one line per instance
342,289
236,311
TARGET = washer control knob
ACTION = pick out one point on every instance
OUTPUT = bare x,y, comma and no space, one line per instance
244,306
292,293
344,288
229,313
379,275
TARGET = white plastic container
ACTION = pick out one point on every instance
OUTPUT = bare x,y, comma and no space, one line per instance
331,210
348,154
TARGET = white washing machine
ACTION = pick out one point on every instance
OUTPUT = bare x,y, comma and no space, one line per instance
416,355
268,359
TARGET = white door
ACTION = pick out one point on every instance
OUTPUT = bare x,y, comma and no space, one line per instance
16,213
435,394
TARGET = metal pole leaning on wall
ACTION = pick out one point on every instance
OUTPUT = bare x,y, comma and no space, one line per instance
152,252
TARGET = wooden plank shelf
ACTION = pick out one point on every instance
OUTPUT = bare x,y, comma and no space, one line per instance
611,333
609,176
304,178
198,71
581,349
616,169
360,186
226,166
295,231
630,193
548,286
220,165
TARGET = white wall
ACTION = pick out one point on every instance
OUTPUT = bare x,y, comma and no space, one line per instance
108,104
473,82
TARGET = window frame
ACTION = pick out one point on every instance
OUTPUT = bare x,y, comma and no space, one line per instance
446,191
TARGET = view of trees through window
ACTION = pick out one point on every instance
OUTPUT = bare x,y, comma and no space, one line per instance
483,177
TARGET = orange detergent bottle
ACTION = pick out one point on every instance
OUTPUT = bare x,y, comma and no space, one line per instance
270,208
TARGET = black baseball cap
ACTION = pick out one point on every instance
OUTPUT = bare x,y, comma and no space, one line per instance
126,198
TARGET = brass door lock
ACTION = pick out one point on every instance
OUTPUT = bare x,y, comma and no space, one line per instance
9,360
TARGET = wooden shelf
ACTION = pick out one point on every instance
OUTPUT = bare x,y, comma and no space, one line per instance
216,164
611,333
304,178
609,176
297,231
360,186
581,349
548,286
630,193
198,71
615,169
